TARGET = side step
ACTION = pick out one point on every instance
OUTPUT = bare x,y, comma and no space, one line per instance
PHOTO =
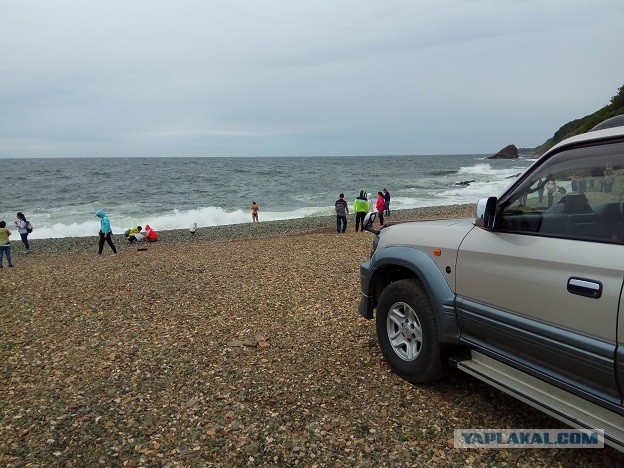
564,406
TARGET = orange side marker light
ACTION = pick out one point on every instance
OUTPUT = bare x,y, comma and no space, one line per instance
437,252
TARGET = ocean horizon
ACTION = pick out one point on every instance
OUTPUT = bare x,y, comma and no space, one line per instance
60,195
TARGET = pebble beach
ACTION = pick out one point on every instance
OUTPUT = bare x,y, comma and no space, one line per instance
239,346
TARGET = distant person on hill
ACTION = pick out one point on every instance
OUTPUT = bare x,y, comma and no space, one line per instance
193,229
22,226
387,201
5,244
381,206
254,211
360,207
342,208
134,234
105,234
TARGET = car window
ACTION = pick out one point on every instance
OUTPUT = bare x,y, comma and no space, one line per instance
575,194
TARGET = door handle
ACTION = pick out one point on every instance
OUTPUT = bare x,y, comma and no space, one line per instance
585,287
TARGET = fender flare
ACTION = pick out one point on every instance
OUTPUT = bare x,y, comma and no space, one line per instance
433,279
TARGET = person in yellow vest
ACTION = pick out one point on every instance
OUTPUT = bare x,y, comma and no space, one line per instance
360,207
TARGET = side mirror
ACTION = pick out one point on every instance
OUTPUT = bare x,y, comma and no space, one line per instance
369,220
486,212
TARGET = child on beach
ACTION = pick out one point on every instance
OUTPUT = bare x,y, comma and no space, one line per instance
5,244
193,229
150,234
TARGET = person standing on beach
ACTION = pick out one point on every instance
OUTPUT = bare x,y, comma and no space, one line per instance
22,227
342,208
551,188
105,233
5,245
381,207
540,190
254,212
193,229
360,207
386,201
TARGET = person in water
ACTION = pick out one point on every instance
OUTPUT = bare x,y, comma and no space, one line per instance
254,211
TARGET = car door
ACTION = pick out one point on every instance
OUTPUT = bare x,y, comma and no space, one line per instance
542,290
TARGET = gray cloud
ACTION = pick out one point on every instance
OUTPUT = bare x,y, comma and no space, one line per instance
261,78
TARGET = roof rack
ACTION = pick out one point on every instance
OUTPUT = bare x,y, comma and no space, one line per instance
616,121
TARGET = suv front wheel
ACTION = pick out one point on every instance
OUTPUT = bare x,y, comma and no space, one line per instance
407,332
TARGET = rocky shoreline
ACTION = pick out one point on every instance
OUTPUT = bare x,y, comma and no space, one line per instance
239,231
241,346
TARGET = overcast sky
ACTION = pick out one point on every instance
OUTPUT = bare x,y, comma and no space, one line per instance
300,77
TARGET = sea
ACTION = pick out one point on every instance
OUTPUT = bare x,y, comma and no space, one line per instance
60,196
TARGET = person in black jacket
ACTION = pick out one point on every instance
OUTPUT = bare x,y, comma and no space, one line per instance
387,201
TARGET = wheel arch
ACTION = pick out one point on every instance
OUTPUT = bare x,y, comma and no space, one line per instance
397,263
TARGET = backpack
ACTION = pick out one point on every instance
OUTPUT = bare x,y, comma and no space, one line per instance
29,227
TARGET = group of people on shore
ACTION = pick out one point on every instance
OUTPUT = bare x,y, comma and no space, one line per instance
133,235
24,227
362,206
136,234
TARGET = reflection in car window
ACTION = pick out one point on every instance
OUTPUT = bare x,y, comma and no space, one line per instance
575,194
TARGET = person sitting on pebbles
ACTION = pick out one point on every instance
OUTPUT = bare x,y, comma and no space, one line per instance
134,234
150,234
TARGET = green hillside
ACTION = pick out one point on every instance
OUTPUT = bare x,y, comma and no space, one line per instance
582,125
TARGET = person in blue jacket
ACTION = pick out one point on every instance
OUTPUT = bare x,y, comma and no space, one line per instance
105,233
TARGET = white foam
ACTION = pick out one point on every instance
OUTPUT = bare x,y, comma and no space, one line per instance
175,219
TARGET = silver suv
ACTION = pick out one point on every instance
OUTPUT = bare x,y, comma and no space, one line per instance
527,297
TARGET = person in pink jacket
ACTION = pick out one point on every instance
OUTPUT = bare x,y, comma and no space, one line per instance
381,206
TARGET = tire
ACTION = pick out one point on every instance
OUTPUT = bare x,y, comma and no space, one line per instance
407,332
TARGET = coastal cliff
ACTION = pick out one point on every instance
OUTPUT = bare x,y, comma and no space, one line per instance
584,124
